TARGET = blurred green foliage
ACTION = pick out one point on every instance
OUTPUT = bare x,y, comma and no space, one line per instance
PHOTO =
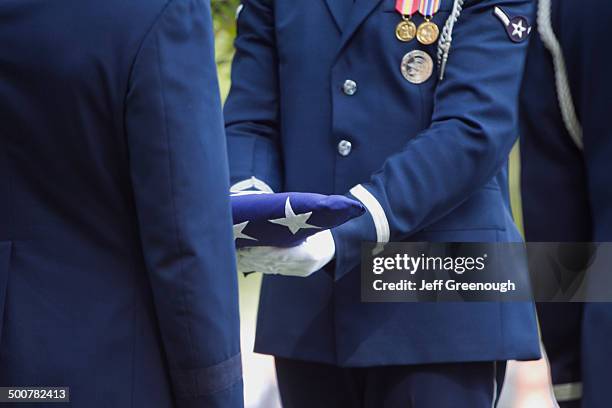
224,16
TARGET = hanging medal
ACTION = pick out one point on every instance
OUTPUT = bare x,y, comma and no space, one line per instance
428,32
406,30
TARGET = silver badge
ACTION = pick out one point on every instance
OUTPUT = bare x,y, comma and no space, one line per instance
417,66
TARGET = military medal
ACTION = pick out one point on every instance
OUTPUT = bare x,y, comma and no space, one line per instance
428,32
417,66
406,29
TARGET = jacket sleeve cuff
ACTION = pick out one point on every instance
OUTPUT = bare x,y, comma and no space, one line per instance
206,382
231,397
251,184
371,227
254,163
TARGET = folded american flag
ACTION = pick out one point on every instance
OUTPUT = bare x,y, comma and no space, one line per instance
287,219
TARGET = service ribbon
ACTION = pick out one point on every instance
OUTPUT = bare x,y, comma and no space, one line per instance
429,7
407,7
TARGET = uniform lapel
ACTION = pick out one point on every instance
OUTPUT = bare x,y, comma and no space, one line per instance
360,11
340,10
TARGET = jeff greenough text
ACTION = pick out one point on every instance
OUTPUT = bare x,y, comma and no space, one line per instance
423,274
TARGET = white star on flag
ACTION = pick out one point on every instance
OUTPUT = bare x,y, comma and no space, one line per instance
238,228
519,29
293,221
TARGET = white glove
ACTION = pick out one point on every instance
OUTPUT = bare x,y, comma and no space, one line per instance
303,260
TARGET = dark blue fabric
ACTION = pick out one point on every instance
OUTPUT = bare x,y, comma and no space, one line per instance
116,253
259,209
467,385
567,194
433,155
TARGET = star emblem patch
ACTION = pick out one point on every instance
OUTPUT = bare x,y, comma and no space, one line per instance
518,27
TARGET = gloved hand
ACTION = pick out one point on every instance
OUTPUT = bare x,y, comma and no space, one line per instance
303,260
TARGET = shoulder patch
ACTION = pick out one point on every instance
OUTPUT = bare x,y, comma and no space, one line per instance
517,27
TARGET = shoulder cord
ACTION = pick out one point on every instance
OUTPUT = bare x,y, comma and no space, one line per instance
446,39
564,94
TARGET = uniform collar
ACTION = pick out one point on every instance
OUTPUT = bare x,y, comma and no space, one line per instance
349,14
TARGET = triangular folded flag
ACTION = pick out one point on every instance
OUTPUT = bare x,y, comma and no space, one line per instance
287,219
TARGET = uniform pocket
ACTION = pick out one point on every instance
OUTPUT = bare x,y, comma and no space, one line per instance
5,255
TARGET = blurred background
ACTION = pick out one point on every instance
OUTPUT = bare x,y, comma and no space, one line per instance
527,384
224,15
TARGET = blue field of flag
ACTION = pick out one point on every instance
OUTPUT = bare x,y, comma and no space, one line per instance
287,219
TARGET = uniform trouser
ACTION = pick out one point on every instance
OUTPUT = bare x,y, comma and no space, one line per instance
597,355
577,338
461,385
561,326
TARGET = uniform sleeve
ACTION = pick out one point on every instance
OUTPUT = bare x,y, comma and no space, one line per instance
252,107
473,128
179,174
593,105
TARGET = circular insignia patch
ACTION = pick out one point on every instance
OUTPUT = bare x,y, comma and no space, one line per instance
417,66
518,29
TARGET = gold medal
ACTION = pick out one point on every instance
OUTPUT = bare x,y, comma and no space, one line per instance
406,30
428,32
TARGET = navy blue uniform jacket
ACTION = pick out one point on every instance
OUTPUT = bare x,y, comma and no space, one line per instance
567,191
117,274
555,170
428,161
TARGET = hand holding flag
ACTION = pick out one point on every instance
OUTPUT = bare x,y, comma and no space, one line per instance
288,233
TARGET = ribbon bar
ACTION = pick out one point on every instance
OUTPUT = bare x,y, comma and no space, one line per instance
429,7
407,7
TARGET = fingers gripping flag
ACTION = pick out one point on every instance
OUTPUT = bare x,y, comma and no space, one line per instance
287,219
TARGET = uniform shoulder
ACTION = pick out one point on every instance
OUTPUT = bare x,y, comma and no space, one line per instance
135,19
134,16
119,27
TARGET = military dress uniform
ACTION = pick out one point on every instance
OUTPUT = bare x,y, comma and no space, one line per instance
566,147
117,272
326,98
